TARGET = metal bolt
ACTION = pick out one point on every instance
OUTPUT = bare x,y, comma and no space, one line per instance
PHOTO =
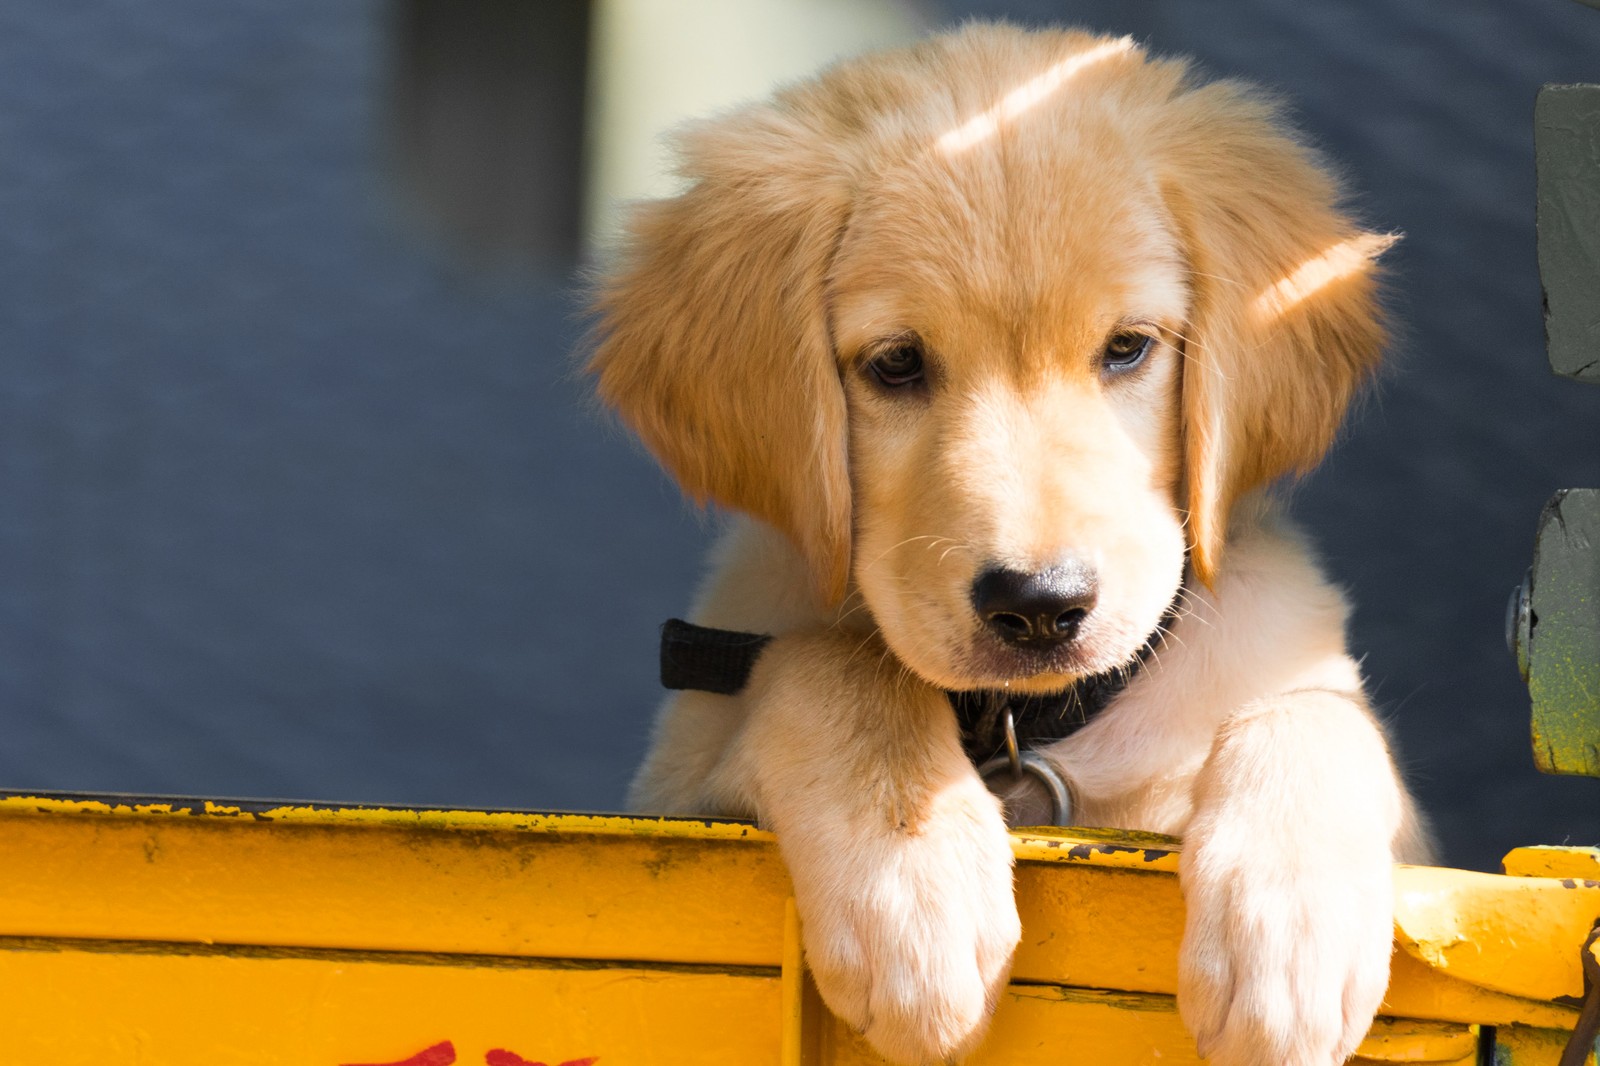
1519,623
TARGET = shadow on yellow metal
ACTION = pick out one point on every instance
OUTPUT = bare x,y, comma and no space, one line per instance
201,933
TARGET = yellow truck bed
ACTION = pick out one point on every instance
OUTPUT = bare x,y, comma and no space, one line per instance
197,932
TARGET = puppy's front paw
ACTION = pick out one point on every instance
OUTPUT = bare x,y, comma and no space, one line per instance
1285,956
909,931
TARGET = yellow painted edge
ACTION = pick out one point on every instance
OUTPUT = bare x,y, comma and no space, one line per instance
1097,847
792,983
1552,861
1409,1040
1504,934
386,817
1120,848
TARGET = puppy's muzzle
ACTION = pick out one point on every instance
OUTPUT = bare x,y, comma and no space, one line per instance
1038,610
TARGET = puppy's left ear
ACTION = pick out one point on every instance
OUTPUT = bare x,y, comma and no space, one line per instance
713,340
1285,326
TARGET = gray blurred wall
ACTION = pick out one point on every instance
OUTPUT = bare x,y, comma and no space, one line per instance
301,499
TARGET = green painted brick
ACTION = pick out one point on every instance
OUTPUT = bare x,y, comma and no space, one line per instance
1564,640
1567,149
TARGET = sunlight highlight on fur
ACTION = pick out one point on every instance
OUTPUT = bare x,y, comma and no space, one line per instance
1336,263
987,123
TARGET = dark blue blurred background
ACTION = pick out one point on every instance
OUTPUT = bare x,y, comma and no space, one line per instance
298,497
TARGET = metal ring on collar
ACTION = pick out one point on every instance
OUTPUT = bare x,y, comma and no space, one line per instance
1040,768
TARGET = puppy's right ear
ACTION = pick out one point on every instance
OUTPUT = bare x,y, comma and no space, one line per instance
1285,326
712,341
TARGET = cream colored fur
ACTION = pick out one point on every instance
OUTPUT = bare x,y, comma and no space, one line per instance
1012,200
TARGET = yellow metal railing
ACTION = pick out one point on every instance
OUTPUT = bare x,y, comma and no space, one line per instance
205,933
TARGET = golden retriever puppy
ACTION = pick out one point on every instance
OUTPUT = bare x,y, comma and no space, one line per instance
994,341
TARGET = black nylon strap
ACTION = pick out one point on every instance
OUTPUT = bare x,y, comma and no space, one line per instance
708,660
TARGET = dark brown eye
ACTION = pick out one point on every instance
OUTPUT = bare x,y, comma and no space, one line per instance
1125,350
899,366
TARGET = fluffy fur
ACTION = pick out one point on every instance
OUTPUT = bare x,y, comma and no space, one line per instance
1012,200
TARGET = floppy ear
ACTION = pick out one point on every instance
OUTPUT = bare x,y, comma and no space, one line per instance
713,341
1285,326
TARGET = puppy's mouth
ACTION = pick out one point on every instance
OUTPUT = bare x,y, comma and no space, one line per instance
991,661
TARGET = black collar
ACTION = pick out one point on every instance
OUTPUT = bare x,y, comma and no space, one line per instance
1038,720
720,661
707,660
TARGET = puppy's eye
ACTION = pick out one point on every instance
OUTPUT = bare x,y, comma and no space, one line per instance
1125,350
899,366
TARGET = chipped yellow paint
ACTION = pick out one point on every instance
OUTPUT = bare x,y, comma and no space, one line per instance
384,817
1403,1040
1418,991
1515,935
1549,861
1520,1045
208,932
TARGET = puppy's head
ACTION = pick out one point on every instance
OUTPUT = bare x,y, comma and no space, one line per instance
996,329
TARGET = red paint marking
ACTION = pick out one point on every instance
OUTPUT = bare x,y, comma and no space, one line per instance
502,1057
440,1054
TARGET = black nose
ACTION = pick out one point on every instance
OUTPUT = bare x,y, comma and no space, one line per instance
1040,608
